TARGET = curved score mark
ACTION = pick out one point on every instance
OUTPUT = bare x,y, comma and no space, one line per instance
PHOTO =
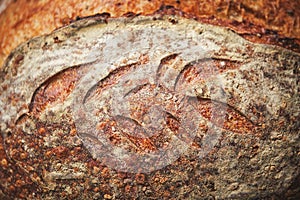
202,72
108,80
52,89
163,62
135,90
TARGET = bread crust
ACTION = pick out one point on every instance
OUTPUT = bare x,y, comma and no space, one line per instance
41,156
54,148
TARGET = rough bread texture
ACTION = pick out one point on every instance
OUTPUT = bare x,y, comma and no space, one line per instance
276,22
85,109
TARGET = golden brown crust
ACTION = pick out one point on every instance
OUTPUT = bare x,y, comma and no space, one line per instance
45,149
23,20
265,22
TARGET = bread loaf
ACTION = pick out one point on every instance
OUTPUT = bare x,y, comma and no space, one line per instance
149,107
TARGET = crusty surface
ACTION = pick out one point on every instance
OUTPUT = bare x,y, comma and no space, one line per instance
53,147
24,19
